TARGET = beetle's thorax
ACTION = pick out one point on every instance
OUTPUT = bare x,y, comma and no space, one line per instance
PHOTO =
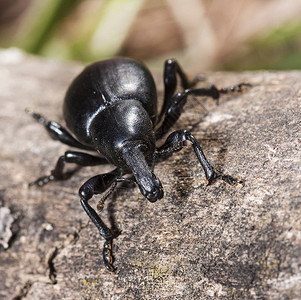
120,123
134,156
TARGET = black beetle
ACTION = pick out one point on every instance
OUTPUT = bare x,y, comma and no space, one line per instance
111,108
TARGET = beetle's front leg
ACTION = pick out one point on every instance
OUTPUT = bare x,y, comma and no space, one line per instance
97,185
175,141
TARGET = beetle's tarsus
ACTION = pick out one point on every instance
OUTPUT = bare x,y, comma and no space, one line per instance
108,256
238,88
39,118
233,181
42,181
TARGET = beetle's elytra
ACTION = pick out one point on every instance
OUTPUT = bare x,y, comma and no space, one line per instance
111,108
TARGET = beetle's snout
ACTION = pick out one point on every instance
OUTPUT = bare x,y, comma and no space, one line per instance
134,157
152,190
155,195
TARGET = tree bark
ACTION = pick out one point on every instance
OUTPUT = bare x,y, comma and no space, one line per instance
198,242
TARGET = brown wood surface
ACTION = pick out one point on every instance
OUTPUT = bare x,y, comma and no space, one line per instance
198,242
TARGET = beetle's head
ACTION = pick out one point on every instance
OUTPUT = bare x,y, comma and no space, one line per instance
124,134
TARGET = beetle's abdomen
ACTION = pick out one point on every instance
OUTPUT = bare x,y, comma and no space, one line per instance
102,84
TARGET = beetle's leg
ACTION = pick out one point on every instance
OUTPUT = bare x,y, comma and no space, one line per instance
175,141
234,88
215,93
172,114
177,103
97,185
79,158
58,132
171,69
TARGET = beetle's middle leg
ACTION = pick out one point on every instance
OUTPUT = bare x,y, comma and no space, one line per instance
58,132
79,158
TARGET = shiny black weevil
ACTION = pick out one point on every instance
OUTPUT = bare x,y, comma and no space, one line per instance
111,108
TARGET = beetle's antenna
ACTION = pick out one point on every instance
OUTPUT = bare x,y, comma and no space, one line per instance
108,192
154,162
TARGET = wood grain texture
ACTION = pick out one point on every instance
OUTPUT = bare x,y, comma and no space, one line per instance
198,242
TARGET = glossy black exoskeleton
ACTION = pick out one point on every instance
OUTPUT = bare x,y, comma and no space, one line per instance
111,108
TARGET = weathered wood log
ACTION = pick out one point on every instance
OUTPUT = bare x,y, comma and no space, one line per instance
198,242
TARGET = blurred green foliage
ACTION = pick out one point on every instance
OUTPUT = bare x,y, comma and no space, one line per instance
43,22
54,28
88,30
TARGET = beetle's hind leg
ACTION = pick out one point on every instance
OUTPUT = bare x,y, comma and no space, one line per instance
175,141
173,103
58,132
79,158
